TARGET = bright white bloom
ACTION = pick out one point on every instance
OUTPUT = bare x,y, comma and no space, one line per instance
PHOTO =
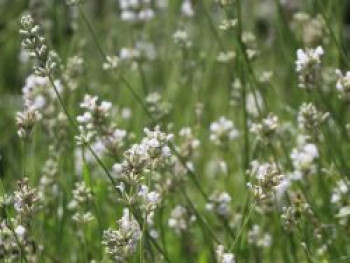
222,131
307,65
254,102
156,143
228,24
225,57
343,84
308,58
304,158
182,39
129,54
340,191
150,200
37,90
111,62
20,231
267,129
187,8
153,151
136,10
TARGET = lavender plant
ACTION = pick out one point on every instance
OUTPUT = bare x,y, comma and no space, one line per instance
174,131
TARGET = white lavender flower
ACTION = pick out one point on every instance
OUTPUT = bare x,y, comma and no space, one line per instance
182,39
153,151
265,181
228,24
112,62
187,8
295,213
26,199
136,10
156,144
157,105
310,119
180,219
26,121
267,129
303,159
149,200
220,203
223,131
343,84
340,192
95,118
131,169
33,41
307,66
122,243
225,57
257,238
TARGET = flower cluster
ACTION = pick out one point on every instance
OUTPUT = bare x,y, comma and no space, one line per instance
223,131
136,10
149,154
225,57
141,52
343,84
340,200
220,203
265,181
180,219
82,197
262,151
311,30
267,130
310,119
95,125
295,213
259,239
157,106
26,120
303,159
307,66
149,200
182,39
48,62
16,230
49,187
122,243
26,200
228,24
189,143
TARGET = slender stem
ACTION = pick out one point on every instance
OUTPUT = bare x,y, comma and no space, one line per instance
94,36
245,222
244,95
